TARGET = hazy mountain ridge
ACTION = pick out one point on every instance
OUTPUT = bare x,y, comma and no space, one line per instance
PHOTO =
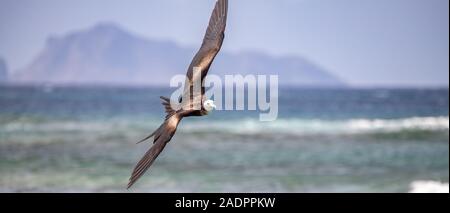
106,54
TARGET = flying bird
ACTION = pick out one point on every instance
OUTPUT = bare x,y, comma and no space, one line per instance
190,100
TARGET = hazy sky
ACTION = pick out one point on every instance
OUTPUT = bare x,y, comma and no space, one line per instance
365,42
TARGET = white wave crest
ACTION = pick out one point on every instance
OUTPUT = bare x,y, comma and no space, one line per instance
425,123
242,126
429,187
302,126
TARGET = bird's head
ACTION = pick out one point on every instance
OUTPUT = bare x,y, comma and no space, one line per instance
209,105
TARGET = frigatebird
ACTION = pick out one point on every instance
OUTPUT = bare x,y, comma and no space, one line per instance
188,102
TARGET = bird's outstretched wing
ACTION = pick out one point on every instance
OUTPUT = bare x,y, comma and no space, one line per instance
162,136
212,43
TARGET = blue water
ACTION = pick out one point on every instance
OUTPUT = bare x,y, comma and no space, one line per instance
74,139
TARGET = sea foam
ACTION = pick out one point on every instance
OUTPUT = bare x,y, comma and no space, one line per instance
304,126
429,187
243,126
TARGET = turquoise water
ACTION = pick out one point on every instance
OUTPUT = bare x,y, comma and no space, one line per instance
83,140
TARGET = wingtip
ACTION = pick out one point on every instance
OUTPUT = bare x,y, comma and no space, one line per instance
130,184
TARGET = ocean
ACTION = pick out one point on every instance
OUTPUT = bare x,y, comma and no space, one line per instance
83,139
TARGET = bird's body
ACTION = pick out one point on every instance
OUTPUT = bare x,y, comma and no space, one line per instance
191,104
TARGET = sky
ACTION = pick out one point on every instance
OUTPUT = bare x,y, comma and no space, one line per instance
367,43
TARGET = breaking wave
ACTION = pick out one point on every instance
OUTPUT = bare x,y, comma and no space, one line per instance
429,187
302,126
244,126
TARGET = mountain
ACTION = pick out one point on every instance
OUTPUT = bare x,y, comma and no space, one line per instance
3,70
106,54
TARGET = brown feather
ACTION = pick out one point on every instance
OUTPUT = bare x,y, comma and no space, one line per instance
162,136
169,113
211,45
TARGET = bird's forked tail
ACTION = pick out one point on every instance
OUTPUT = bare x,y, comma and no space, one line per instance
169,113
162,136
